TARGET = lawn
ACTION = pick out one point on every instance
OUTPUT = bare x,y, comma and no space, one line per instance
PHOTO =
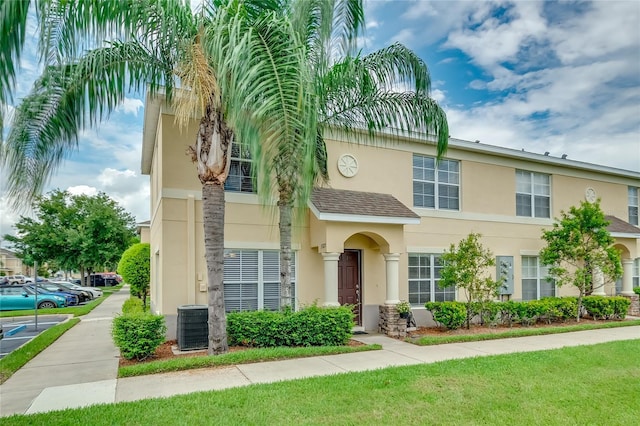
598,384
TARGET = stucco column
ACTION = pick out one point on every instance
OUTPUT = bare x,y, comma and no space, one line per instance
392,261
331,278
598,282
627,277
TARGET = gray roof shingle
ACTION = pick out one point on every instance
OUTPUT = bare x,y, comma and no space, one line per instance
357,203
620,226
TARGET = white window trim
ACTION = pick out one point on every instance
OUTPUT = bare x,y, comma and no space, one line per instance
637,205
436,185
539,278
433,286
533,194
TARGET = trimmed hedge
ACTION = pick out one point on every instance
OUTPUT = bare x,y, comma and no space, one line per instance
450,314
312,326
133,305
601,307
636,290
138,335
548,309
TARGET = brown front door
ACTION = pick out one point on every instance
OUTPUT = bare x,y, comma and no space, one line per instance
349,282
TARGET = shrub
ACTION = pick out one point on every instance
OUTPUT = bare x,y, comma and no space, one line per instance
311,326
488,311
138,335
636,290
559,308
620,306
450,314
134,266
598,307
132,305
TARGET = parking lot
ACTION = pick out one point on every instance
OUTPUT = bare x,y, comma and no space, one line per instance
24,329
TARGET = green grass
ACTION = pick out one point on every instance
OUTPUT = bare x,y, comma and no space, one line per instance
240,357
16,359
519,332
598,385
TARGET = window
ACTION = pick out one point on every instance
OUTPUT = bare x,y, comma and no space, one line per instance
424,275
633,205
636,273
252,280
240,178
434,186
535,281
533,194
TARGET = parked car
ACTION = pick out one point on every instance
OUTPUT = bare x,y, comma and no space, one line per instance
16,279
13,298
95,292
102,280
4,281
70,299
83,296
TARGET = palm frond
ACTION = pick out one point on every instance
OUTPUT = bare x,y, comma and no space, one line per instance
13,21
64,101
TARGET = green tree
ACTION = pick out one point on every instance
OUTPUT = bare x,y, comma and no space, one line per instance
135,269
241,66
74,232
465,267
356,95
579,247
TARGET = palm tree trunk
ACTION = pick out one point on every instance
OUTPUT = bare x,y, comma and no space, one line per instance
213,218
286,208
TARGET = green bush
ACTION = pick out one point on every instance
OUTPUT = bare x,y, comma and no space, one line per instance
636,290
132,305
602,307
135,267
311,326
488,311
450,314
558,308
138,335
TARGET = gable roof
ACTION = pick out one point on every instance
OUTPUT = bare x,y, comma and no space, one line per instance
356,206
619,226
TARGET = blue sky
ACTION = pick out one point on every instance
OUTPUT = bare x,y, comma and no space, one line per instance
562,77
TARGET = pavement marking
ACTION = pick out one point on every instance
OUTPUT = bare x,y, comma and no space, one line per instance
16,330
18,338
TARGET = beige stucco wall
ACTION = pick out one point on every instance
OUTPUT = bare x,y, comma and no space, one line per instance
487,206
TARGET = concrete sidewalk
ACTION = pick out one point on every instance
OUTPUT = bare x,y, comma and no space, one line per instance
81,357
58,379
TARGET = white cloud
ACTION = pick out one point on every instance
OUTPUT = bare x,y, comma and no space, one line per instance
131,106
82,190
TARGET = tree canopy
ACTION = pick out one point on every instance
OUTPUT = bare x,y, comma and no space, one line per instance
74,232
579,248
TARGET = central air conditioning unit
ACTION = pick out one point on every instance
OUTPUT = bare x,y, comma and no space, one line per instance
192,327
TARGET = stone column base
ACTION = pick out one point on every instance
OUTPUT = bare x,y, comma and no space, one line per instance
390,323
634,308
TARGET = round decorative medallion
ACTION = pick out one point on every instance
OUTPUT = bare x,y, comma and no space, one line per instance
590,195
347,165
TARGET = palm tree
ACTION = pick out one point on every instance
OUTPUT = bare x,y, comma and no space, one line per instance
355,94
236,65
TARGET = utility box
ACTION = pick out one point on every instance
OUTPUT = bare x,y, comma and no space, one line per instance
504,270
193,331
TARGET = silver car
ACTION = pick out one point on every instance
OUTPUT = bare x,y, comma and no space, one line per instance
95,292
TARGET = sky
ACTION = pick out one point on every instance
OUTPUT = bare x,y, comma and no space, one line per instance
562,77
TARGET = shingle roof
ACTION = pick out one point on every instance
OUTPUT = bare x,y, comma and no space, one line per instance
620,226
356,203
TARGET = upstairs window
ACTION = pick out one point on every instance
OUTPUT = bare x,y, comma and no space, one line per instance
533,194
633,204
240,178
436,187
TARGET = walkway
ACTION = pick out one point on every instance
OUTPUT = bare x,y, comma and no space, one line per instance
83,355
80,368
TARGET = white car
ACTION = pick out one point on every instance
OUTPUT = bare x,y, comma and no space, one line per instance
95,292
17,279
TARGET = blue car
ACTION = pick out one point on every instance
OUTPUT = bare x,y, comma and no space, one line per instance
13,298
70,299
